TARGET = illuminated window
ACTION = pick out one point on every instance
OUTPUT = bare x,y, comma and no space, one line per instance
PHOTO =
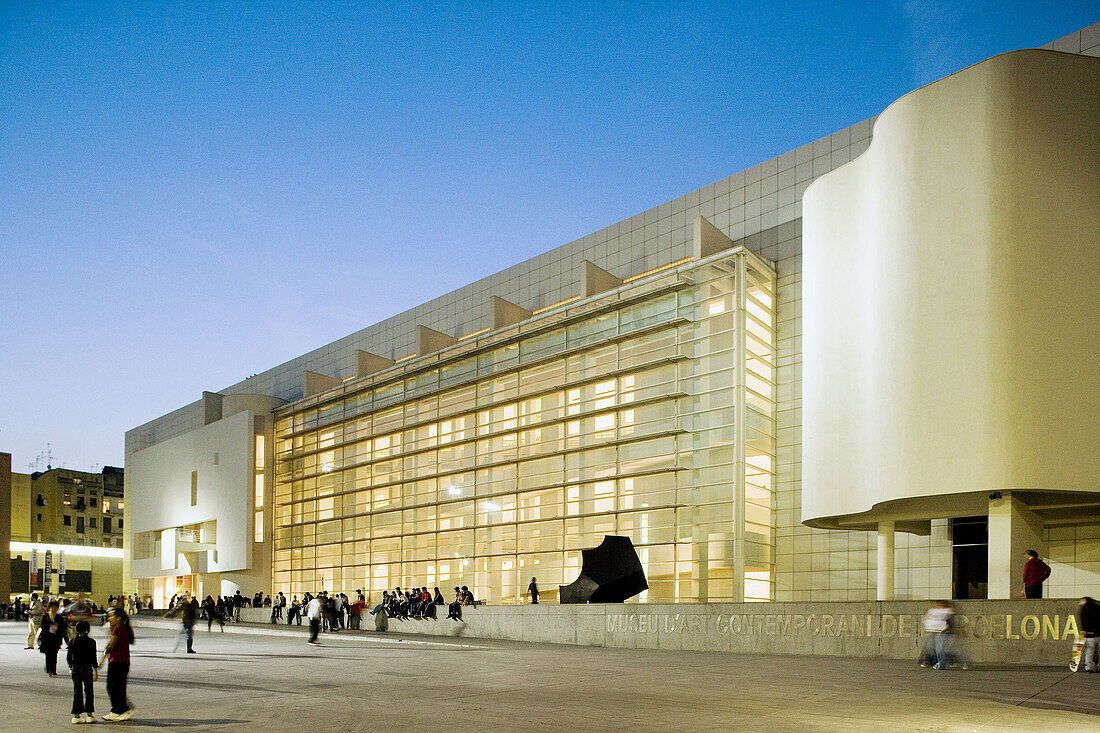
573,402
258,490
480,477
605,394
106,506
626,389
605,426
604,494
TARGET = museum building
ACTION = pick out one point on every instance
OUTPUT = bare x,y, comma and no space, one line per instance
863,369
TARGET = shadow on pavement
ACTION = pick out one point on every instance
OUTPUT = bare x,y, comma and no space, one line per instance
185,723
190,684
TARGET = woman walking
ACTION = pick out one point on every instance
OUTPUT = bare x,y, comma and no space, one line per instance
117,656
54,630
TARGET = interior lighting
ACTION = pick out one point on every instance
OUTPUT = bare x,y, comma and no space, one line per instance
70,550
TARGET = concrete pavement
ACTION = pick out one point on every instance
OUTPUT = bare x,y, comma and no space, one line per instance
367,682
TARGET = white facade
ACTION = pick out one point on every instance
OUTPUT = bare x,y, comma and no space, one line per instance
951,311
193,505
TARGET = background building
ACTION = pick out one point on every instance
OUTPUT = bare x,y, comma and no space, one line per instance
647,379
77,513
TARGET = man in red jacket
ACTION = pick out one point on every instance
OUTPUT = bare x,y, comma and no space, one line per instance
1035,572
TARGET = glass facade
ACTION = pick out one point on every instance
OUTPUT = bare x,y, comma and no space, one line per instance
647,411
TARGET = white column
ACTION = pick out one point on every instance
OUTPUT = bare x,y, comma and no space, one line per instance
1013,530
886,561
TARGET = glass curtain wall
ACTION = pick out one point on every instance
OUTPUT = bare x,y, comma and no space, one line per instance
616,415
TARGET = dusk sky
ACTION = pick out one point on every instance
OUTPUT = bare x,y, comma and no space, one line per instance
190,195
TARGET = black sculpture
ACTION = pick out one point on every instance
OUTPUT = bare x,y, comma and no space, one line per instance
610,573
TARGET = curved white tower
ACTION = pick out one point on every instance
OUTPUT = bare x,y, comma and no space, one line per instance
951,307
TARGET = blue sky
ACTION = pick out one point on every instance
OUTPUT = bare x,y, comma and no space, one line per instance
193,194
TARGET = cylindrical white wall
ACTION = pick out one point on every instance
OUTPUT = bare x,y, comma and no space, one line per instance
950,298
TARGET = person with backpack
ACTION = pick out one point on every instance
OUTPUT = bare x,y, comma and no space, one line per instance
1035,572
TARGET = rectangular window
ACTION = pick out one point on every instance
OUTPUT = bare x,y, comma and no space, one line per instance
106,525
120,525
194,489
91,523
327,465
80,525
68,521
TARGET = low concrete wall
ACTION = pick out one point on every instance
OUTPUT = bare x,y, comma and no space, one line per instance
999,631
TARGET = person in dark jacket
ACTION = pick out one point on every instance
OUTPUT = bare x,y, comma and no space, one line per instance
1088,624
188,610
54,630
84,668
213,613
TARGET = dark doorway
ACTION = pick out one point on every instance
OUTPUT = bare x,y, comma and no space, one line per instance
970,551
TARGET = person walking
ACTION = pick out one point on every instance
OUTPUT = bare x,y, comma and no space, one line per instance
1088,624
34,620
533,589
213,613
117,657
53,633
187,610
313,613
83,668
1035,572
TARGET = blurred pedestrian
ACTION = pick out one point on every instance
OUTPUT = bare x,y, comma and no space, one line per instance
187,609
313,613
1088,625
34,620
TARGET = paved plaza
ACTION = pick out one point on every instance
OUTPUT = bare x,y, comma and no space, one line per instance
369,682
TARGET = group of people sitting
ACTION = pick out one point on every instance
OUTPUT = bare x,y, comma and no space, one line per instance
420,603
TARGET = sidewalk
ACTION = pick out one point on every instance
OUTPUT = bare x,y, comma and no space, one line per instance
364,681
